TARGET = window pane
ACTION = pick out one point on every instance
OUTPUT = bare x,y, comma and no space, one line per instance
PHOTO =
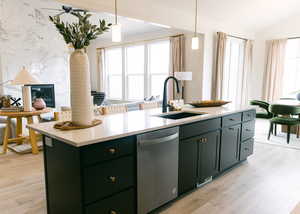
135,87
114,61
159,57
291,75
157,85
232,79
115,87
135,59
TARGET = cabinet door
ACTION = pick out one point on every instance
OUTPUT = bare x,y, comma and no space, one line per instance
208,161
230,146
188,156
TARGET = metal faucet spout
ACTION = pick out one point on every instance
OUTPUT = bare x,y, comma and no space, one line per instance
165,101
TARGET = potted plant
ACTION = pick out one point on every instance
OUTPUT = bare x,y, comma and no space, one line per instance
79,35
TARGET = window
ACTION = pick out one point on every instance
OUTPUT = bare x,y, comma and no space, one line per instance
158,65
291,76
137,71
232,79
114,77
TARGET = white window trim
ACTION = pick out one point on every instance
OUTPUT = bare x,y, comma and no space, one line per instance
147,75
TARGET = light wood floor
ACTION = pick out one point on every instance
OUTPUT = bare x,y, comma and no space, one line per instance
269,183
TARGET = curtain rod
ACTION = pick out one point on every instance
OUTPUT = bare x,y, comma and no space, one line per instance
237,37
137,42
297,37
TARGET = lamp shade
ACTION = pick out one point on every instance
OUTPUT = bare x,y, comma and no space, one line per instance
24,78
184,75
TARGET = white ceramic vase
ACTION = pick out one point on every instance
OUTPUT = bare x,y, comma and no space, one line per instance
81,99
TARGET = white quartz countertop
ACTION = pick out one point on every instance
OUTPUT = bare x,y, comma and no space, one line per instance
126,124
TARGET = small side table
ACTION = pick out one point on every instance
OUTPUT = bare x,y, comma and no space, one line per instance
19,129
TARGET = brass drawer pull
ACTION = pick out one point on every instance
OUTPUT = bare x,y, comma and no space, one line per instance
231,119
112,151
113,179
113,212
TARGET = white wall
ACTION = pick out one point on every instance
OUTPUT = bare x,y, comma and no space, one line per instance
285,29
28,38
194,60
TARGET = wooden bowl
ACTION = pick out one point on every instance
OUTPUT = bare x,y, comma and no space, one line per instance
209,103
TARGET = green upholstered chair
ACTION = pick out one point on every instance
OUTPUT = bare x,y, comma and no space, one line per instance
264,105
280,112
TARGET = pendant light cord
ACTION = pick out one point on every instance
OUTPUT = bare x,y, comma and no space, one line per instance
116,12
196,17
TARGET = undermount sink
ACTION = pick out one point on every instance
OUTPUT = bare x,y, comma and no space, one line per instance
181,115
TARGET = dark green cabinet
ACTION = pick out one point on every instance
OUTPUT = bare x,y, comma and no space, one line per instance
187,172
230,144
198,160
208,155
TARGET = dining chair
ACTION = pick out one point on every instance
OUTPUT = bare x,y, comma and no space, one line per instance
263,105
148,105
280,112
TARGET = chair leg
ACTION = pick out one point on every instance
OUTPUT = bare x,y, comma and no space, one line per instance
288,134
270,130
298,131
275,132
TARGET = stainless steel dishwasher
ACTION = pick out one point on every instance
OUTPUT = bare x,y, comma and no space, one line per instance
157,165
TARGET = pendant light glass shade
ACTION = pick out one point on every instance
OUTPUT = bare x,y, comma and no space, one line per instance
195,43
116,30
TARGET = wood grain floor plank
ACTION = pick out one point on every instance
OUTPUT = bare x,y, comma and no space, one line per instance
268,183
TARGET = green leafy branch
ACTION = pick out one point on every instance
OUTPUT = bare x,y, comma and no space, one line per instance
80,34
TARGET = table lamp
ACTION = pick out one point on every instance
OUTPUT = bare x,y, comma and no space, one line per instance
183,76
25,78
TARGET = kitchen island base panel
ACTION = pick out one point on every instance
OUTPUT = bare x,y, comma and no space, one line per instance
70,172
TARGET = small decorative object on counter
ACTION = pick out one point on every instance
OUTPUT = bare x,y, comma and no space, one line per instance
80,34
176,105
39,104
209,103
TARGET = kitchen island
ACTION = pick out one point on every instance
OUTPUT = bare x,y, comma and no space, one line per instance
97,170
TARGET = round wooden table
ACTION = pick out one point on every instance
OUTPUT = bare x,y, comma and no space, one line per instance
19,129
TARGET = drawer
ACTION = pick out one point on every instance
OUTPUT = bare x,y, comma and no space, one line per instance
231,120
108,150
246,149
122,203
108,178
194,129
249,115
248,130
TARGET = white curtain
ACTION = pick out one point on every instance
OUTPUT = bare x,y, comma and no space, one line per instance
102,77
247,70
274,69
220,66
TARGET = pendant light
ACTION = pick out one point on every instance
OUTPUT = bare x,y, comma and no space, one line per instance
195,39
116,28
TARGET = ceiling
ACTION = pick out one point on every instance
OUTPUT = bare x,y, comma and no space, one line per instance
132,26
254,15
